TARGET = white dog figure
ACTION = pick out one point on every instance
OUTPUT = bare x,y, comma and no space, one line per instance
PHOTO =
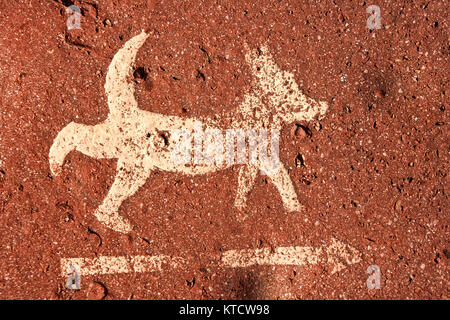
132,135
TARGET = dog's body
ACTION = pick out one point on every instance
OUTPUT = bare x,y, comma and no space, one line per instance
132,135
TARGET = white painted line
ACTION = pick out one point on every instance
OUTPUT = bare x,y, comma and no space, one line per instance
338,255
120,264
295,256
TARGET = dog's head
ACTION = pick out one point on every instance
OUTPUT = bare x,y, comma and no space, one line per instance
287,103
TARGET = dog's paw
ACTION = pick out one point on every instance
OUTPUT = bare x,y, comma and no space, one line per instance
295,206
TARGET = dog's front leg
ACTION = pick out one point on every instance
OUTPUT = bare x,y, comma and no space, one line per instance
285,187
131,175
246,181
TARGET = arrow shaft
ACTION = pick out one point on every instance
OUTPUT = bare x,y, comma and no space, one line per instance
338,255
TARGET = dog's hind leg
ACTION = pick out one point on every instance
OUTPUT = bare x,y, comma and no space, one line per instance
285,187
129,178
95,141
246,181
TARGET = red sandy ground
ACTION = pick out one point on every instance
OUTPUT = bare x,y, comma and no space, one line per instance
374,173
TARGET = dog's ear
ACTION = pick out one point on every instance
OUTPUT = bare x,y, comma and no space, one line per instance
261,62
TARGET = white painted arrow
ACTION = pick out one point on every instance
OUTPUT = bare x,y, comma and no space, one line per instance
338,255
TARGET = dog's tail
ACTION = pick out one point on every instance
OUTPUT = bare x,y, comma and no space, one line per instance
119,90
285,102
